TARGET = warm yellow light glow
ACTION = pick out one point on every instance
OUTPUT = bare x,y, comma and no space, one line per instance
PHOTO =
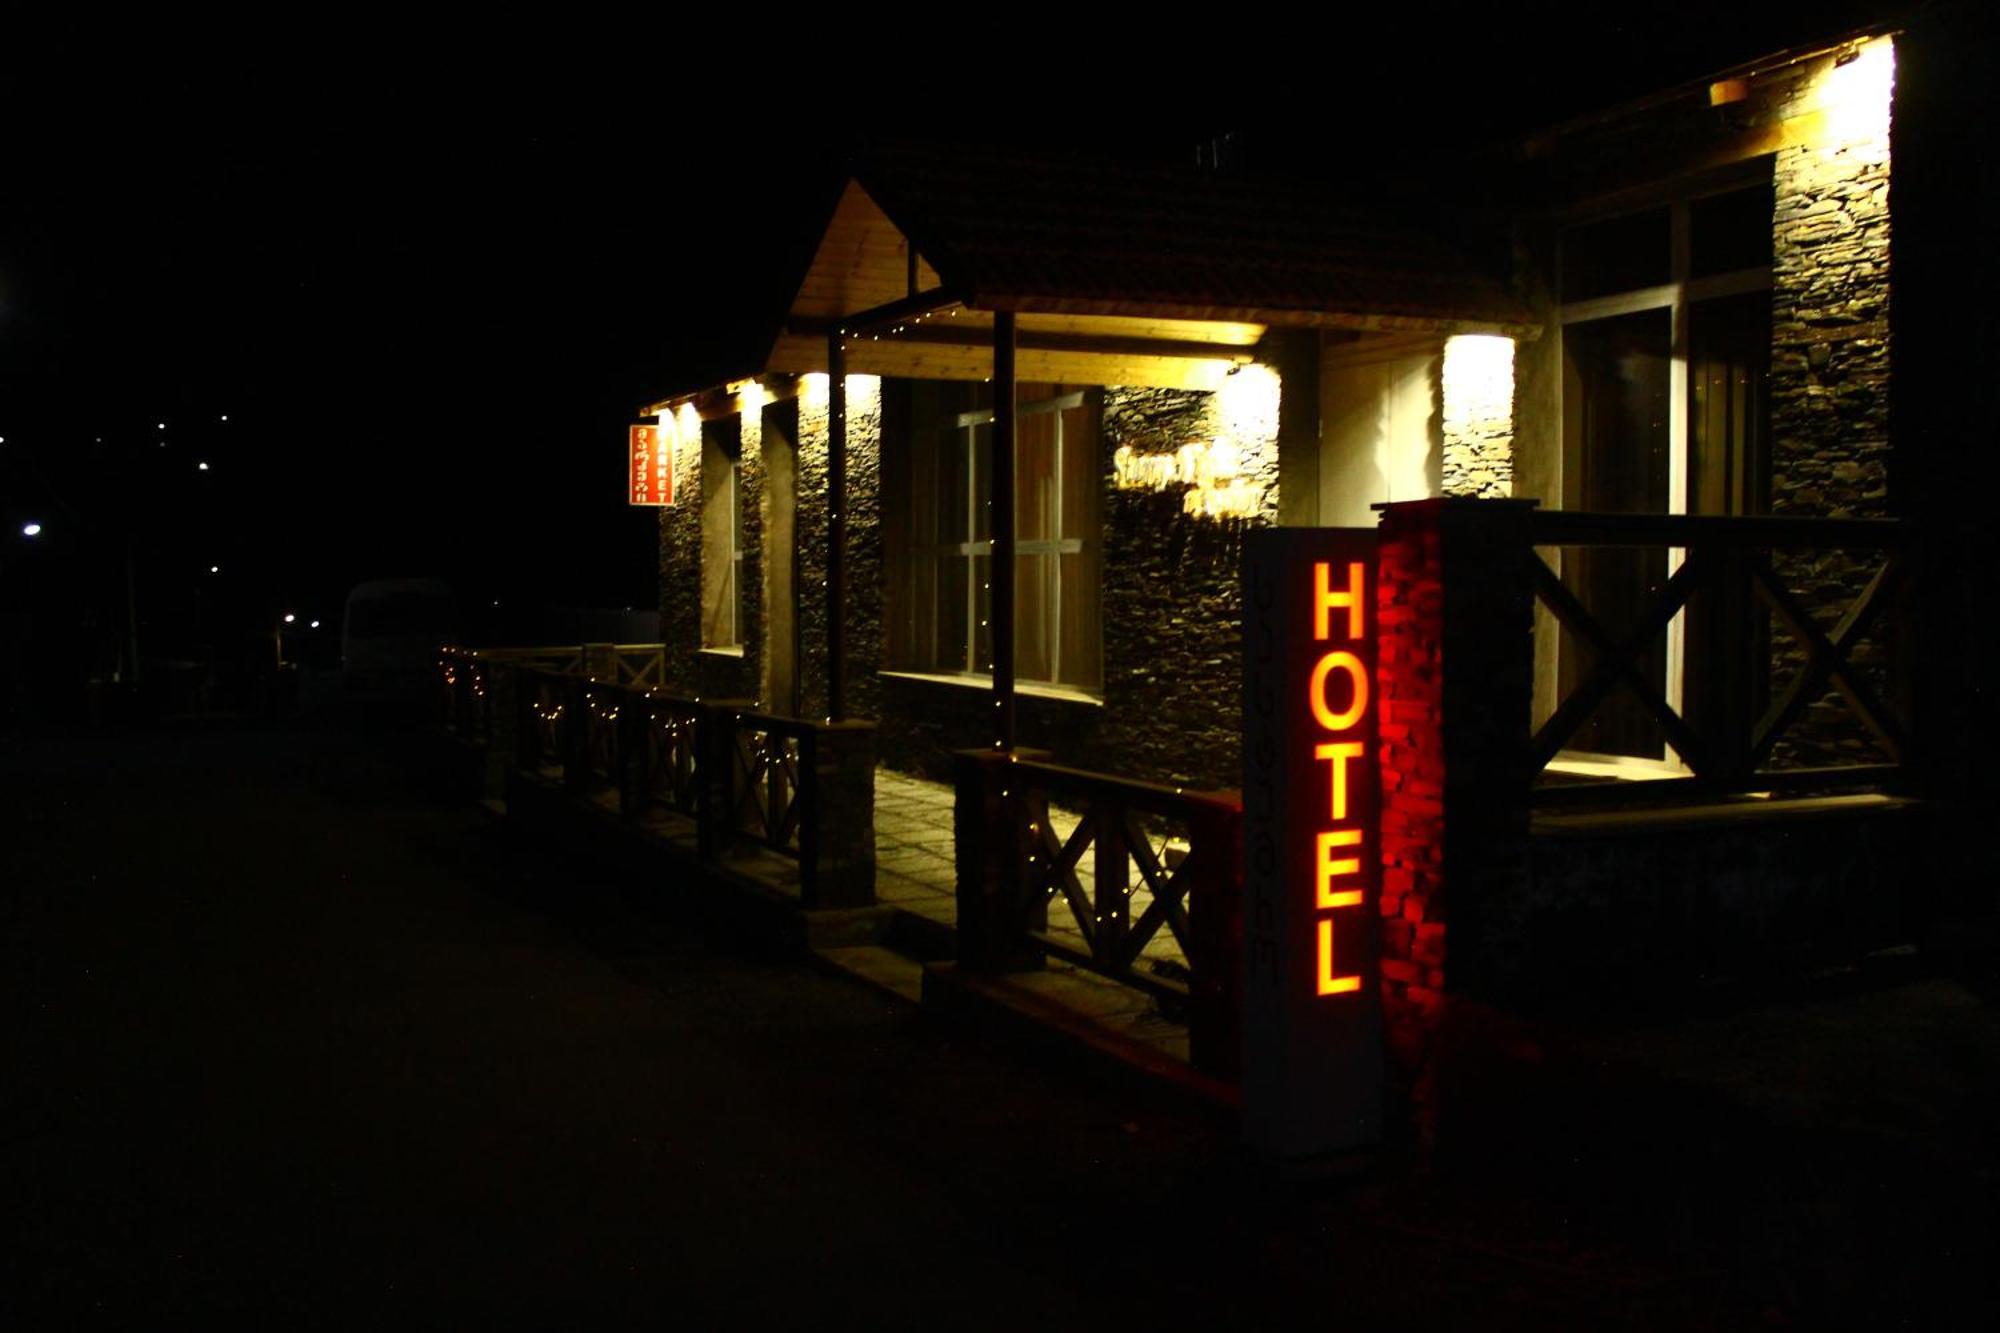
1327,599
1338,754
1855,96
751,396
814,389
1478,383
1357,676
1247,404
1479,415
863,393
1208,468
1331,867
1329,984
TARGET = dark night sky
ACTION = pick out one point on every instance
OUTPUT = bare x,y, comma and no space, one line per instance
429,279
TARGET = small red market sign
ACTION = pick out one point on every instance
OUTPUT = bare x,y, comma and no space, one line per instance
652,466
1312,1038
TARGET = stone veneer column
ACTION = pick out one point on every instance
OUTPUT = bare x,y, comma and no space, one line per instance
1830,301
842,811
1455,677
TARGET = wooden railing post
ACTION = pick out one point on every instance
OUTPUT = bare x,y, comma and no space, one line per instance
837,815
1215,941
573,733
1455,684
527,718
630,776
989,839
503,740
715,776
1113,866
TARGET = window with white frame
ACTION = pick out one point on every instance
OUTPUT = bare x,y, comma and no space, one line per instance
1665,335
1056,557
721,535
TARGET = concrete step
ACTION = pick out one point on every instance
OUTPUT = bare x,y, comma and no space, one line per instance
883,968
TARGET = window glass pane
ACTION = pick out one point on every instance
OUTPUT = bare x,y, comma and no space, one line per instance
945,522
1729,353
949,645
1081,482
1034,617
1730,231
981,464
1615,423
1034,477
1616,255
1082,656
1615,411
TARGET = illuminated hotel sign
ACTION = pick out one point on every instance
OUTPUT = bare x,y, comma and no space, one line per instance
1312,1039
652,467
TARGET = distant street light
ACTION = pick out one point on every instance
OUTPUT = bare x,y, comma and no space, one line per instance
289,617
163,425
215,569
31,529
201,467
225,416
314,625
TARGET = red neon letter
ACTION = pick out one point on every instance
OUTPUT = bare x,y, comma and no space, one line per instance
1356,673
1325,599
1329,984
1338,753
1327,866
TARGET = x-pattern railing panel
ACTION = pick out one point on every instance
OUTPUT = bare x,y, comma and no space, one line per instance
1829,659
765,790
671,775
1615,661
1730,560
642,667
601,733
1099,893
549,709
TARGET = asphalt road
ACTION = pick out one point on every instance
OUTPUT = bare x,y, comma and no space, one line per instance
291,1034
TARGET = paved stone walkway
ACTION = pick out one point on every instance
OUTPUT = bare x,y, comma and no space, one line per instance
914,866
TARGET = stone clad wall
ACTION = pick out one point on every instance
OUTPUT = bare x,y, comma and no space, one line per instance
864,547
680,562
1170,599
1172,604
1823,128
688,670
1830,309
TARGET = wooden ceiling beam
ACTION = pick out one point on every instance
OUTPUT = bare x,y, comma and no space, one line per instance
943,335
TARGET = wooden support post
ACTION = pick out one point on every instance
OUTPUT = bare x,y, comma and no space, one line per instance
1113,880
503,737
631,769
1215,941
836,527
989,840
1000,565
573,733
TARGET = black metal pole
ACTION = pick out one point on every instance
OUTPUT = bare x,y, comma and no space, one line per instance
836,527
1000,571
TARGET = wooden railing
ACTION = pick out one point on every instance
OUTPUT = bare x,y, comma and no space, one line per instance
594,720
664,770
1134,881
545,719
768,799
1758,651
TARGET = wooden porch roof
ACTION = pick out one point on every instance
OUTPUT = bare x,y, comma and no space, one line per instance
1119,274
